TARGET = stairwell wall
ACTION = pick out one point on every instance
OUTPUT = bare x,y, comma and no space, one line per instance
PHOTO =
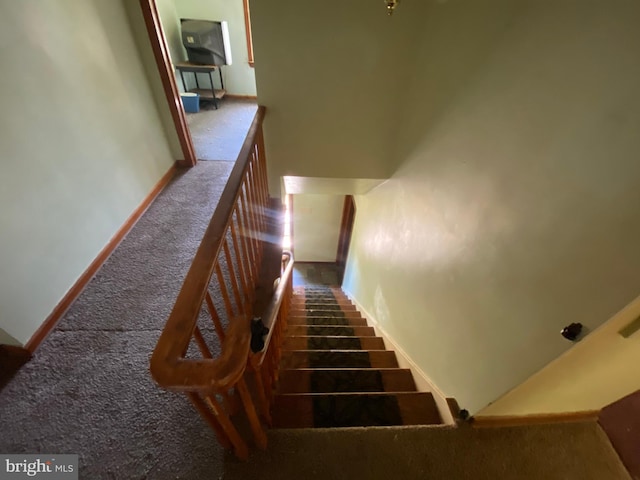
597,371
331,77
513,208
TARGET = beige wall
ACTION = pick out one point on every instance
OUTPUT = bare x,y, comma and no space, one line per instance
239,77
599,370
316,227
81,145
331,76
514,208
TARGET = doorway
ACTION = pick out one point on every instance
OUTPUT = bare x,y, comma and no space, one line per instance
321,228
346,230
210,130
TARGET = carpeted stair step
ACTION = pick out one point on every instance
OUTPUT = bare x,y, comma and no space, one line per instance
338,359
332,343
326,380
354,410
334,309
318,292
324,313
330,294
328,321
331,300
331,330
323,306
321,299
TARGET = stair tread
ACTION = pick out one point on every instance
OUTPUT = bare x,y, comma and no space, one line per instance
331,330
322,306
338,359
325,313
342,380
354,410
328,321
317,342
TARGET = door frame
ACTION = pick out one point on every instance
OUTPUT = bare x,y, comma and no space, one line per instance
346,230
165,69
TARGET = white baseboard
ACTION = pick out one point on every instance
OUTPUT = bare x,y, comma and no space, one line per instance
423,382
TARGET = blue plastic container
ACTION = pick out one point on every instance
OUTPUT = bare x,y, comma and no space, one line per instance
191,102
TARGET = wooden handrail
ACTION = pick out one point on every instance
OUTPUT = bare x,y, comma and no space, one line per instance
169,368
270,317
228,259
265,363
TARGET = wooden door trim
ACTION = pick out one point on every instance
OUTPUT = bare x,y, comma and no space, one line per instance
167,76
346,229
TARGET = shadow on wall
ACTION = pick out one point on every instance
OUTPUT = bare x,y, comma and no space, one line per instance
448,58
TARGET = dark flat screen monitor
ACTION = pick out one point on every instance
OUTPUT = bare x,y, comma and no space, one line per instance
206,41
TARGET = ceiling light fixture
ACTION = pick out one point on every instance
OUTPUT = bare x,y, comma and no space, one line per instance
391,6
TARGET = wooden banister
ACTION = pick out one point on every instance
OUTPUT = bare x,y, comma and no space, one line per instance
168,367
204,348
283,291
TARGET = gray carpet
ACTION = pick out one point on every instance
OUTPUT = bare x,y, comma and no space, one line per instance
219,134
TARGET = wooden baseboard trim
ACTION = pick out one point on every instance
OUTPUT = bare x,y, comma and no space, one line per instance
73,293
241,97
422,381
519,420
183,164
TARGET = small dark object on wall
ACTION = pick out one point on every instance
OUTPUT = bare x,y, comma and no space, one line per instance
572,331
258,331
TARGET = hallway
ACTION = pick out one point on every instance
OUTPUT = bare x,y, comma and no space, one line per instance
88,389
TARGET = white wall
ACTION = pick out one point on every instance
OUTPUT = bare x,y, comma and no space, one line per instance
239,77
316,227
331,77
514,208
81,145
599,370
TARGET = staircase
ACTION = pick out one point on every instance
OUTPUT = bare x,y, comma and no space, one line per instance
334,371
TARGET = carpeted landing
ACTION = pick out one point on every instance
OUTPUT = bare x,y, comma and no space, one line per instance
575,451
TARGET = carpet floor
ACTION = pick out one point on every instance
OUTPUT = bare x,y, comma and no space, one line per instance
219,134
